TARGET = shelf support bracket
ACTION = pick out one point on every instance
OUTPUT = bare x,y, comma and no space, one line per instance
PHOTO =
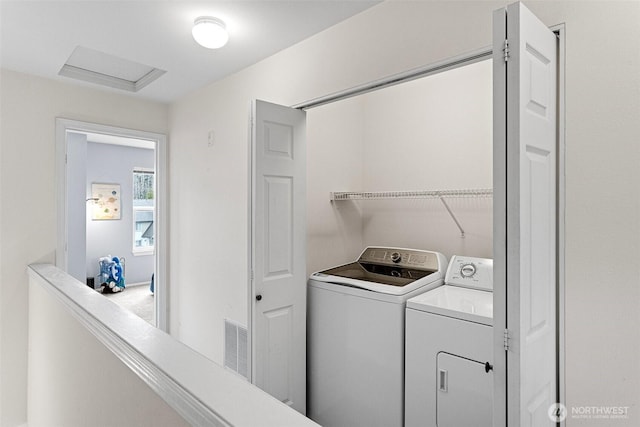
452,215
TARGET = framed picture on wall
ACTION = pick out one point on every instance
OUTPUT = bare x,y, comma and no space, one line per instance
106,201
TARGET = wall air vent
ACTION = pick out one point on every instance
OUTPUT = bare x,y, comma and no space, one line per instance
107,70
235,347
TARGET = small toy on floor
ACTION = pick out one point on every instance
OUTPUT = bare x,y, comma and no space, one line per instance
110,288
115,282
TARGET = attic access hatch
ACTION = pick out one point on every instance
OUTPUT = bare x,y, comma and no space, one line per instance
108,70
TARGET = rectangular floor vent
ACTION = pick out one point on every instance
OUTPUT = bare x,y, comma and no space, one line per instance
235,347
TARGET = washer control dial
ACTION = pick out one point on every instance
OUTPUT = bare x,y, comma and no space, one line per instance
467,270
396,257
470,272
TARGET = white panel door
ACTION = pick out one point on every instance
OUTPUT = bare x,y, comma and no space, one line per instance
525,135
278,252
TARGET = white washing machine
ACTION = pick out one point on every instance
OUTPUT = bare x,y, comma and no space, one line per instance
449,349
355,336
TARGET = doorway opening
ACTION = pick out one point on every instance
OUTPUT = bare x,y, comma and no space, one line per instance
111,214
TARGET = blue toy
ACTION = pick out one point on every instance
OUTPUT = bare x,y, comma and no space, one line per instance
115,280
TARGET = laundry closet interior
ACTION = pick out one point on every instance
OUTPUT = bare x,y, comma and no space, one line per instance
407,166
428,135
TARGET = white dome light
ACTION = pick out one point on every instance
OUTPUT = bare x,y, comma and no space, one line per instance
210,32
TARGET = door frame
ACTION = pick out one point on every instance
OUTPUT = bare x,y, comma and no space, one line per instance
161,244
560,31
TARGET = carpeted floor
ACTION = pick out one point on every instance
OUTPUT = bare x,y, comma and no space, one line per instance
137,299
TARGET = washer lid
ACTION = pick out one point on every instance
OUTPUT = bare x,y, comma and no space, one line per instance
394,271
402,286
377,273
454,301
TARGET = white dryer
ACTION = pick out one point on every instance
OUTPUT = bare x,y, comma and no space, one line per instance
355,335
449,349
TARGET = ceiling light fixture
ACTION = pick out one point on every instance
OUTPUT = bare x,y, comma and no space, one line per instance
210,32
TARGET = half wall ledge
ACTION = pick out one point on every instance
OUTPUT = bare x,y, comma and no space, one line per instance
199,390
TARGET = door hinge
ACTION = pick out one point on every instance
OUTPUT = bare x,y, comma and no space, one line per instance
505,51
505,339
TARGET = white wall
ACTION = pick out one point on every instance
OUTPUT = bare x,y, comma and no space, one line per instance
28,108
115,164
334,163
434,133
602,154
75,381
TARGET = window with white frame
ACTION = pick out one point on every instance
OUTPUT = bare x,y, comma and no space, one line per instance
143,210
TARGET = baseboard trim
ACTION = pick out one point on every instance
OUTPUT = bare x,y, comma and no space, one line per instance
133,285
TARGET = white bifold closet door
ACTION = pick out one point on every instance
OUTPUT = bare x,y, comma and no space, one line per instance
525,148
278,252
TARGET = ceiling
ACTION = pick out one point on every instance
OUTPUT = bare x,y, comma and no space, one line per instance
37,37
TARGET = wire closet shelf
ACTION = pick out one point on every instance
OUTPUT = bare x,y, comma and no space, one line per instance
427,194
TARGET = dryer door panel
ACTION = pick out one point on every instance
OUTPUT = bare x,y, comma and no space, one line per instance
464,395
